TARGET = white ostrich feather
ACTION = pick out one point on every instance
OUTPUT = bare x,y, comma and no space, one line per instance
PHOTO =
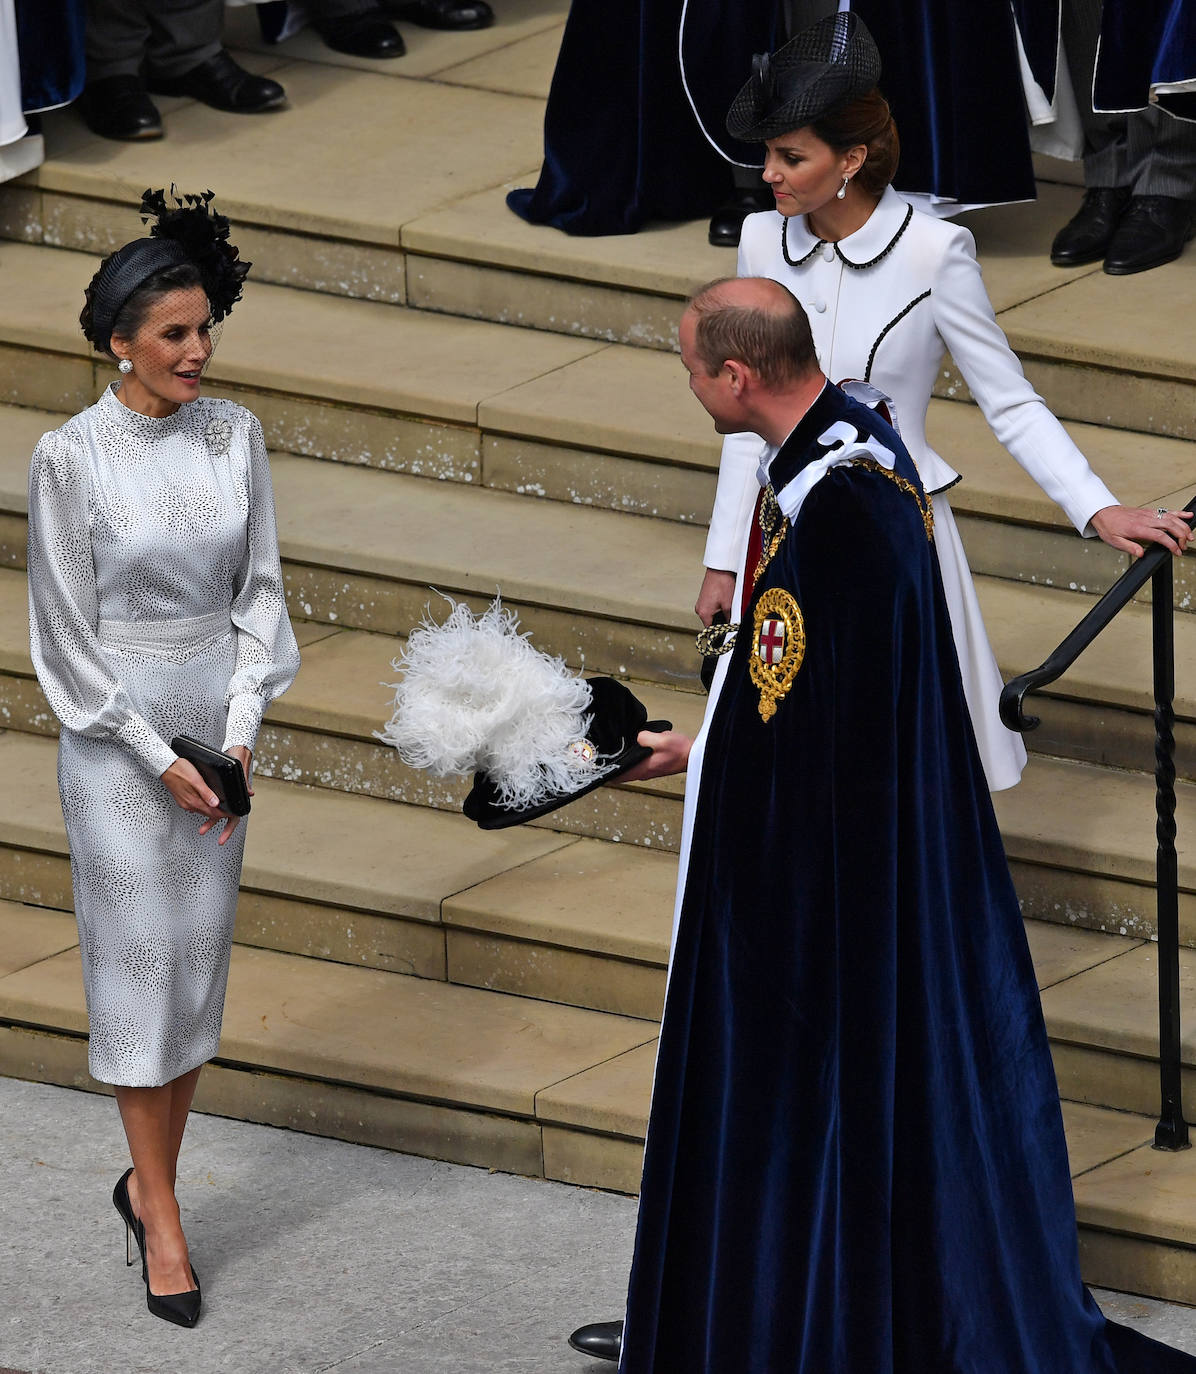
475,695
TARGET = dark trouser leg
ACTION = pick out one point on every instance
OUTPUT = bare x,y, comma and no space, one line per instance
339,9
118,33
1106,145
1161,154
184,33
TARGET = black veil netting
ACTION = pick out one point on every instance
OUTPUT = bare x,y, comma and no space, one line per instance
202,233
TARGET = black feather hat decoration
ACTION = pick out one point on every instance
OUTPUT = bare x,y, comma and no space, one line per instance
202,233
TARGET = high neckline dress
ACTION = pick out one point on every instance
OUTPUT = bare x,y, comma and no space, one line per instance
156,609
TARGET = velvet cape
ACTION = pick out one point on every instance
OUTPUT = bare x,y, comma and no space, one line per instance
855,1157
624,145
1143,44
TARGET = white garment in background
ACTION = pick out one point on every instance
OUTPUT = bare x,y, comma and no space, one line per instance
915,292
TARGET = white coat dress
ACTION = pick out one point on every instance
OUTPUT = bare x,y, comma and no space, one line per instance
884,305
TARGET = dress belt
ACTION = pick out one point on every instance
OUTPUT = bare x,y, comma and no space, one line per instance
176,640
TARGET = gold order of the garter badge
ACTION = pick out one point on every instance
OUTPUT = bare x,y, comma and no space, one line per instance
778,647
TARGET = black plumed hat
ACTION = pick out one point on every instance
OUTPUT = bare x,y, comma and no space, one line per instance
618,717
831,62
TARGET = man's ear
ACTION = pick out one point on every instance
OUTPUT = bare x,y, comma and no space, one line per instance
739,374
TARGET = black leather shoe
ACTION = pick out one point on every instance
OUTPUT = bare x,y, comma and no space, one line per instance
118,107
727,220
1152,231
224,85
369,34
443,14
600,1340
1086,236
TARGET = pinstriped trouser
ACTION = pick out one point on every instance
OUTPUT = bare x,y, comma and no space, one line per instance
1148,151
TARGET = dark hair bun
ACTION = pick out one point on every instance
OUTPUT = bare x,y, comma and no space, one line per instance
203,234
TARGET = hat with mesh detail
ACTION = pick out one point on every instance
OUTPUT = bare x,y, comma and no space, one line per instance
831,62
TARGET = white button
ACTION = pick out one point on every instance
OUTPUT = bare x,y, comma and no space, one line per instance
820,306
828,252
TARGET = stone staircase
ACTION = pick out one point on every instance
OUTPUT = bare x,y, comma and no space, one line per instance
457,400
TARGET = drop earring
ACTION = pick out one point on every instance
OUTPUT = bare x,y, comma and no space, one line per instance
841,193
125,365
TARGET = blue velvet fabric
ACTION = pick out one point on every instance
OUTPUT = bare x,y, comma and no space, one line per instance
1142,43
951,75
1152,42
621,144
855,1159
50,46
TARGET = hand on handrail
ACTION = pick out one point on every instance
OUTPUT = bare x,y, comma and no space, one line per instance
1128,528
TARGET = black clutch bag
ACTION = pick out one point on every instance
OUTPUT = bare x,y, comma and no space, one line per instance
223,774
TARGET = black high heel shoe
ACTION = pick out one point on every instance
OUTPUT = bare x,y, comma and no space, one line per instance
180,1308
120,1200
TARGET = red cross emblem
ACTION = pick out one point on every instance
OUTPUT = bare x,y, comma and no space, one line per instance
771,644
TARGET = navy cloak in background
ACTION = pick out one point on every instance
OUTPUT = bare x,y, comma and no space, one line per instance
855,1159
623,144
1144,44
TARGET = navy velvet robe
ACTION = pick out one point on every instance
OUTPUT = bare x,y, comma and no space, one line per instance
855,1159
1143,43
622,144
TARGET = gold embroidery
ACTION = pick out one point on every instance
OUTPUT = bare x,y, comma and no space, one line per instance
924,504
772,534
778,647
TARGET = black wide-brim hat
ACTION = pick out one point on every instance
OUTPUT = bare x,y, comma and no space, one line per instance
618,716
831,62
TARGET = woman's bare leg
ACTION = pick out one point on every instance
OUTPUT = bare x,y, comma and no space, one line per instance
182,1092
149,1119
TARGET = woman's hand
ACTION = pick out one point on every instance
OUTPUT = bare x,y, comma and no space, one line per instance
189,790
1128,528
670,754
245,758
716,594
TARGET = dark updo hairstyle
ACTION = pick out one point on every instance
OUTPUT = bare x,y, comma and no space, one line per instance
188,246
865,120
135,311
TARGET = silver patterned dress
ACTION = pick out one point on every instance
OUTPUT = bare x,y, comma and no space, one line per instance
156,609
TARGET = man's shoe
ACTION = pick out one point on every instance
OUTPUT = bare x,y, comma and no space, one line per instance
1152,231
1087,235
118,107
727,220
443,14
369,34
600,1340
224,85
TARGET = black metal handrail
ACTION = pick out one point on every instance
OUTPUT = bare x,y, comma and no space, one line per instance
1155,567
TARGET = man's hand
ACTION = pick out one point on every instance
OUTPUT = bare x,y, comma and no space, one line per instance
717,594
1128,528
670,754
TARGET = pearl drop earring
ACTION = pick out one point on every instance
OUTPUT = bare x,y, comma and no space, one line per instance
841,193
125,365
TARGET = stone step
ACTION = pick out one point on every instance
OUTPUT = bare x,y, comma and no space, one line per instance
410,1063
540,912
448,243
513,1083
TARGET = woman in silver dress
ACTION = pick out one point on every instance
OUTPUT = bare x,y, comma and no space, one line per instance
156,610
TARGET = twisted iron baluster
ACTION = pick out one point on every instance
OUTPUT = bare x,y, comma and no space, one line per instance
1172,1131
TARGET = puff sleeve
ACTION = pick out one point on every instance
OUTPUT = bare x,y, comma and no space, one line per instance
71,666
267,655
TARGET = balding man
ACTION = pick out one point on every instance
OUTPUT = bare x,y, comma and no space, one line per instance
855,1157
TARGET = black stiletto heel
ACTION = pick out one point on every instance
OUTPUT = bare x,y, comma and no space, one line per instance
120,1200
180,1308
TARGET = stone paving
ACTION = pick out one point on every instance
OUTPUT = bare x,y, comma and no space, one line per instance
315,1255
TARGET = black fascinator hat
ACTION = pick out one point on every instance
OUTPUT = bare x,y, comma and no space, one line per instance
188,231
831,62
